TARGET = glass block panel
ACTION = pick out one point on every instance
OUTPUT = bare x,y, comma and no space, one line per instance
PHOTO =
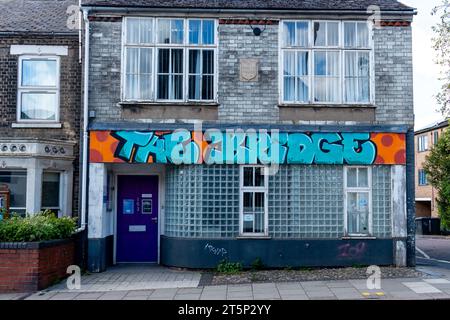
202,201
381,201
306,202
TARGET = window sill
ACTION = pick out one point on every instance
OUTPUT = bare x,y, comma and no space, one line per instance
331,105
163,103
37,125
359,238
253,238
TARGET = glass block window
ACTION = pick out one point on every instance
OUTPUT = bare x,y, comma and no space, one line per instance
381,201
306,202
202,201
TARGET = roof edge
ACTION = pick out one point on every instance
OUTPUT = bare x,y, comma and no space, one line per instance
118,8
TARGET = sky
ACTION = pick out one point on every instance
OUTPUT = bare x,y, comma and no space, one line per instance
426,72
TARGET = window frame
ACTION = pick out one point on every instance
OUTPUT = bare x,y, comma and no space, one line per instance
436,137
368,190
243,189
61,190
422,143
42,89
422,178
185,46
311,48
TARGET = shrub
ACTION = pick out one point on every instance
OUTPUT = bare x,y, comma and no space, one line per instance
229,267
41,227
257,264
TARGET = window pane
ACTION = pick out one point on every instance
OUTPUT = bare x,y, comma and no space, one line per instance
351,82
132,30
289,34
358,212
50,190
208,32
349,34
163,60
303,62
248,177
319,34
177,87
333,66
333,90
248,202
259,212
207,87
302,34
289,63
17,185
194,87
208,62
163,87
320,63
352,177
132,86
39,73
289,89
132,64
177,61
145,26
302,89
145,73
163,31
38,106
194,31
363,178
363,64
333,34
194,61
259,177
177,31
363,35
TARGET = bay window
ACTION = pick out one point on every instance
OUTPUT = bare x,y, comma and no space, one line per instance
170,59
325,62
38,89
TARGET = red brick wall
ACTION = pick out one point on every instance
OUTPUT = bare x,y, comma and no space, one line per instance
29,270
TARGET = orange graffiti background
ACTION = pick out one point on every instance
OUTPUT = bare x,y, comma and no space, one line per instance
391,147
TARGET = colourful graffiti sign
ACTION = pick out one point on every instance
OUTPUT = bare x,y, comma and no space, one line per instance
246,147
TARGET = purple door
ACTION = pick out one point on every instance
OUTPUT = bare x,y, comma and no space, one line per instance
137,219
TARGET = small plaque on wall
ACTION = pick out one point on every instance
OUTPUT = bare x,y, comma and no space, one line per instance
249,70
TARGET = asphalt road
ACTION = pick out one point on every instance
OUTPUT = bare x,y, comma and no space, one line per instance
434,251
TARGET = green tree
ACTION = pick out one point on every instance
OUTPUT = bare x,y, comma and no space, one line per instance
441,43
437,167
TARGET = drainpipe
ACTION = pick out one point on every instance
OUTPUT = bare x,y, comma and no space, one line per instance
85,124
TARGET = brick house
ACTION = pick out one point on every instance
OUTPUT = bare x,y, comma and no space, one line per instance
40,103
278,130
426,195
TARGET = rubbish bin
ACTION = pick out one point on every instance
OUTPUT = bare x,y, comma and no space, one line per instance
428,226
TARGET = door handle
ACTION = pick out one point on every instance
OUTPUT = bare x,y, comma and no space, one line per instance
155,220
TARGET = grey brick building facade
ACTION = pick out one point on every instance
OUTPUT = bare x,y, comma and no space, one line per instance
205,211
39,157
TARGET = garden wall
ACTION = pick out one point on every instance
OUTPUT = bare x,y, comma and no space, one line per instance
33,266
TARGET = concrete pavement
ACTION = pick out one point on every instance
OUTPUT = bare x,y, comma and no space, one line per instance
435,284
391,289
